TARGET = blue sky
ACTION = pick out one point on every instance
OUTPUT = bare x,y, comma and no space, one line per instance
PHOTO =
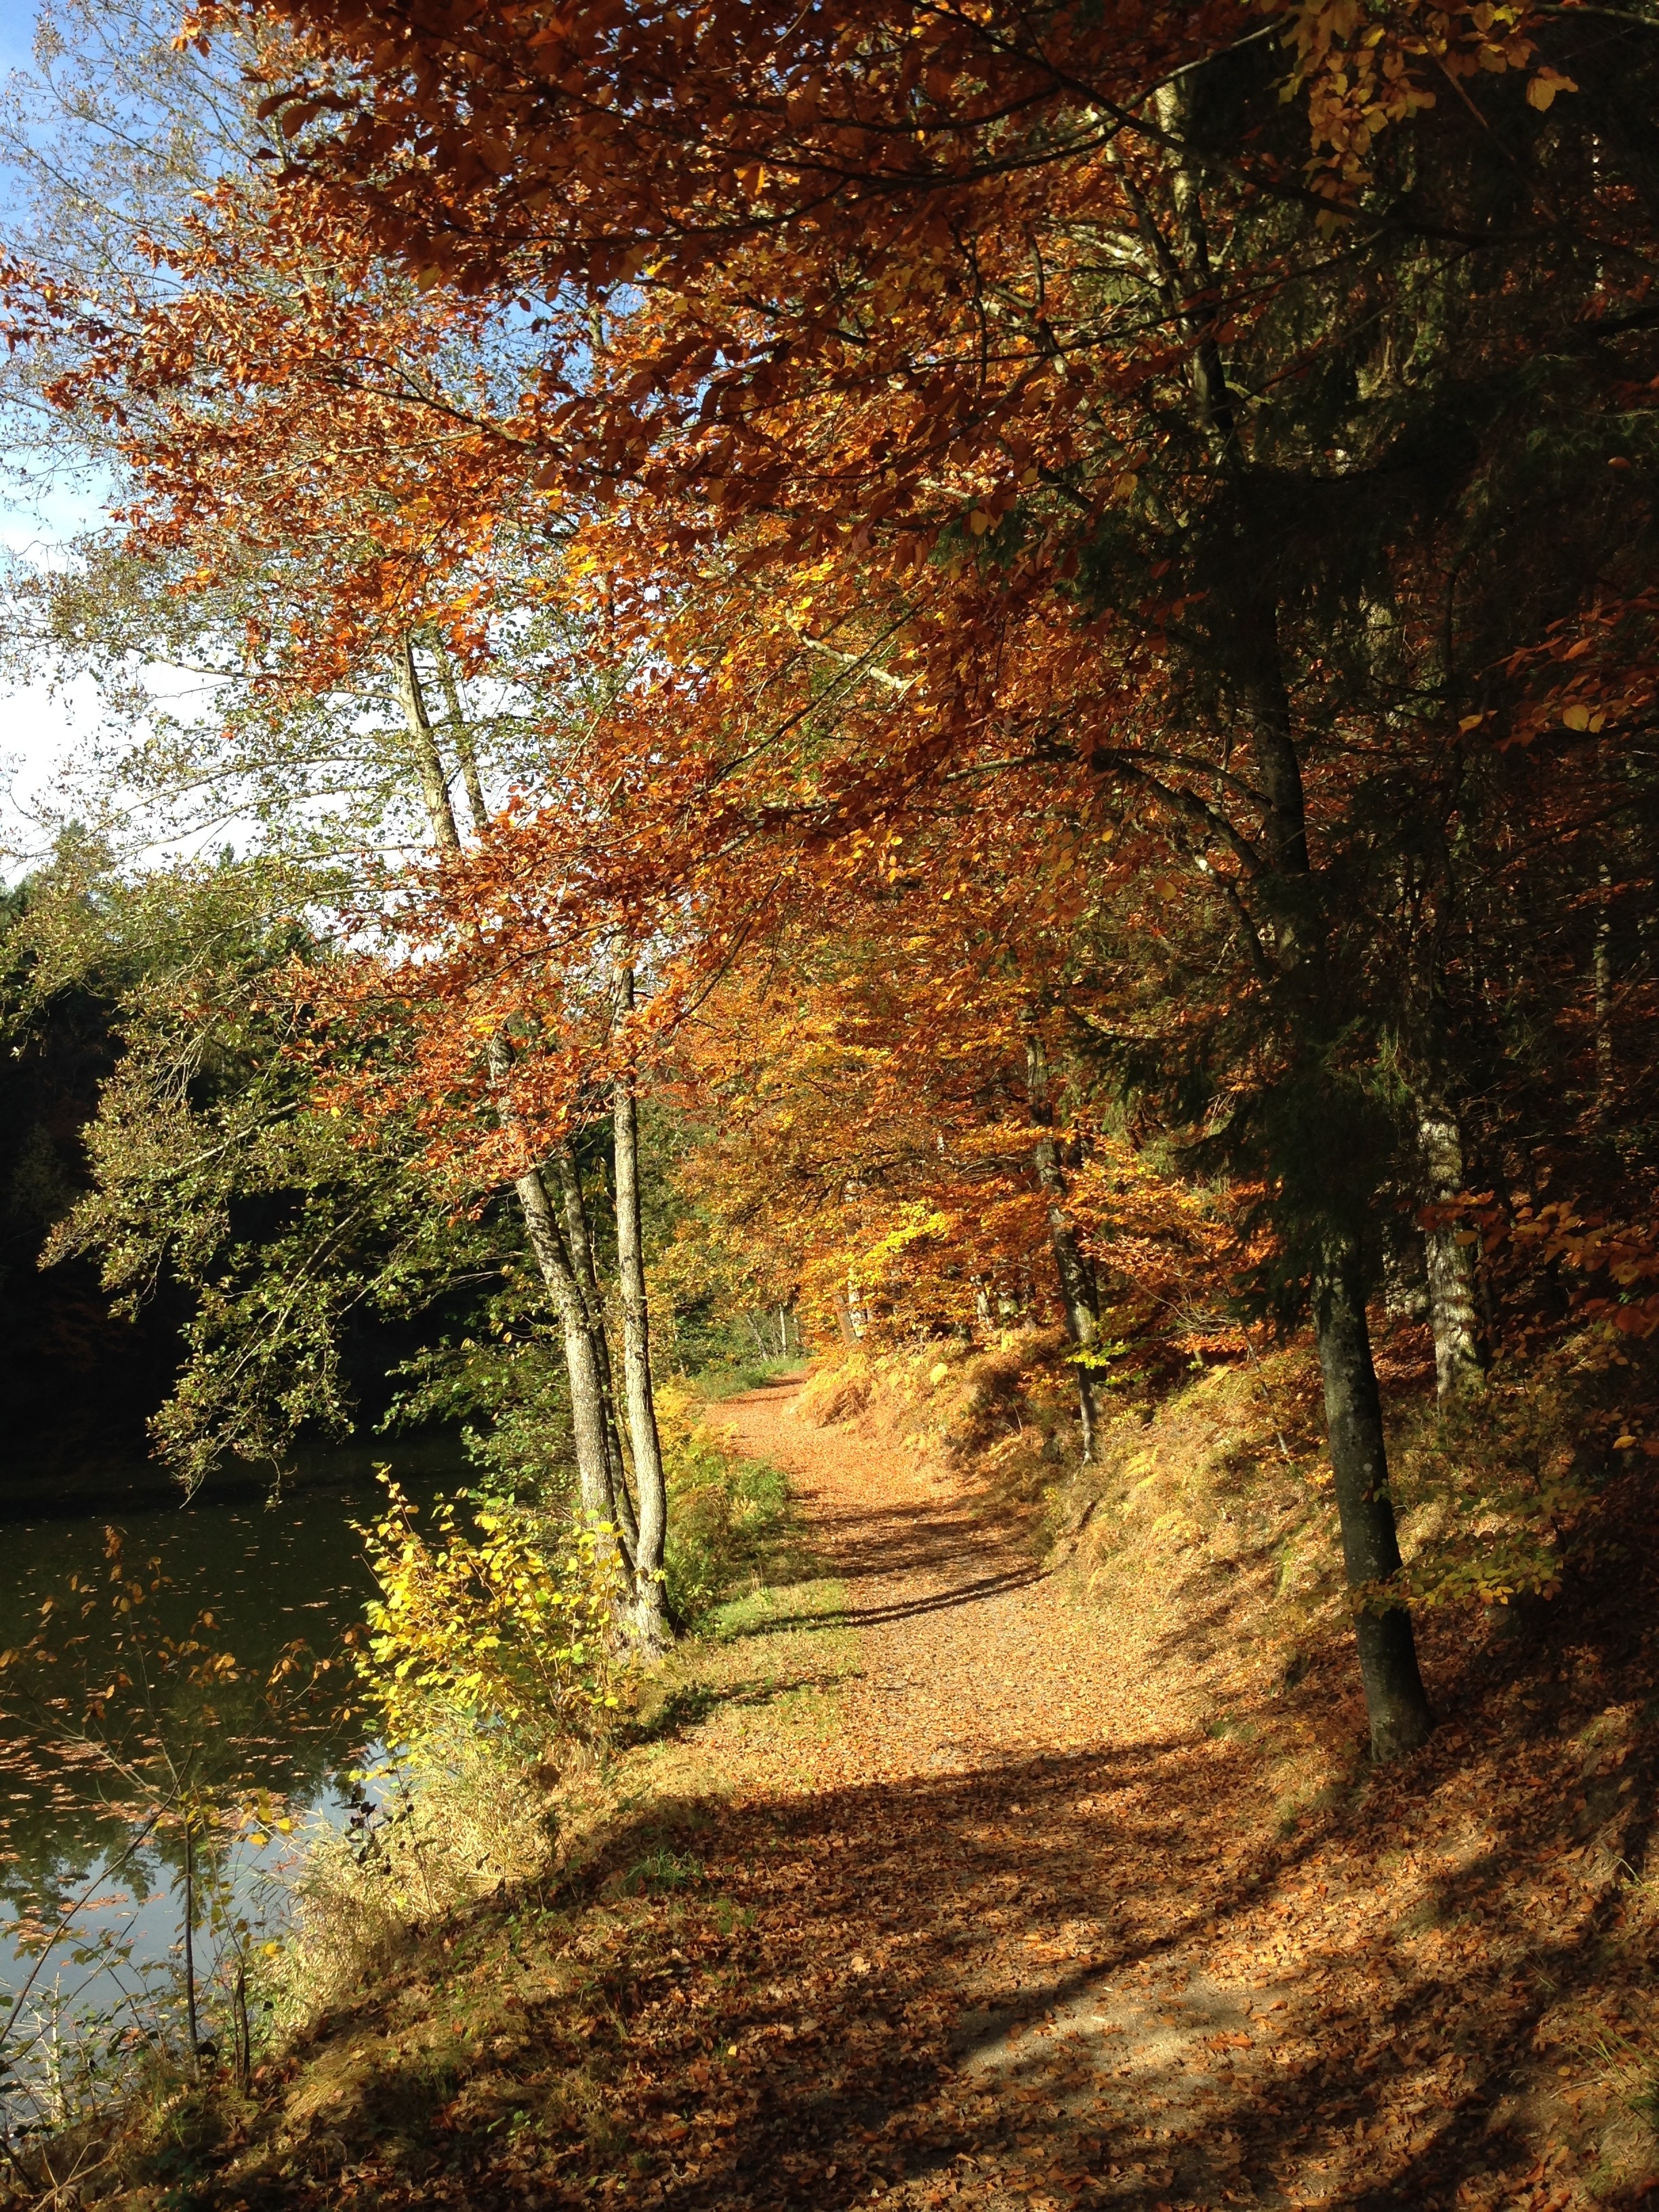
36,728
17,30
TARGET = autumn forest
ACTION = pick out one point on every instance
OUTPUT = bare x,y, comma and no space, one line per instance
904,844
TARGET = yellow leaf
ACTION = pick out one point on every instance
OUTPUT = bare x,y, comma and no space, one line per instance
1577,718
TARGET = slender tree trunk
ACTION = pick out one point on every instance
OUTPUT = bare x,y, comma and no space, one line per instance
1395,1700
580,1238
587,1411
589,1398
1077,1285
1601,961
423,746
1289,939
651,1627
192,2023
1457,1365
460,729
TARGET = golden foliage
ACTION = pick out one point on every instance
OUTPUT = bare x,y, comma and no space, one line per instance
508,1628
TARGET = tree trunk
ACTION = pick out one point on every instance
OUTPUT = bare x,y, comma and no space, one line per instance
192,2022
580,1238
589,1397
429,761
1077,1286
1395,1698
466,751
1457,1365
650,1621
1602,960
587,1393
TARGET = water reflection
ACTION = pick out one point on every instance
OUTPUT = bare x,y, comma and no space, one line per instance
279,1582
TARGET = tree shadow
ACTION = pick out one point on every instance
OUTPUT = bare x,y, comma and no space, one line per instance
852,1616
689,1705
1073,1976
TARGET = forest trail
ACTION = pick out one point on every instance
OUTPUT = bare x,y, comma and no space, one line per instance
970,1657
923,1881
1040,1937
1043,1852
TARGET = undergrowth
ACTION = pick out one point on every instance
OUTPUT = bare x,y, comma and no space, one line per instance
1494,1496
464,1810
729,1378
492,1793
732,1523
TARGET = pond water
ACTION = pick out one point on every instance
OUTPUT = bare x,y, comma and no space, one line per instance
133,1700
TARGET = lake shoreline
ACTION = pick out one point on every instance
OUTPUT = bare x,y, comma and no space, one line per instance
49,1490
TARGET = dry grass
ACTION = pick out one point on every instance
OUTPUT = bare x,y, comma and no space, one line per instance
741,1982
463,1824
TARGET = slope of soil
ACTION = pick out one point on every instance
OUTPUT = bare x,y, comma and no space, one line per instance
932,1885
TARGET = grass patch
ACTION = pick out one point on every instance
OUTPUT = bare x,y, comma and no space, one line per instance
659,1870
733,1525
731,1379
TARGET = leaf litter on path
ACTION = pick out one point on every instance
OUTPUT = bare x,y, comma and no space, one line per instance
974,1910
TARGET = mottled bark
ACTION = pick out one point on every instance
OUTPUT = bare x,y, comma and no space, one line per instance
578,1236
461,730
1395,1700
1077,1284
587,1417
1457,1364
650,1620
423,748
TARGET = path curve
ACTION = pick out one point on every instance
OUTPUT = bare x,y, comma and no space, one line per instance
972,1654
1082,1984
1105,1965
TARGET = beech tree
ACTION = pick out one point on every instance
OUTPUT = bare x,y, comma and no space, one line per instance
374,743
1131,423
967,439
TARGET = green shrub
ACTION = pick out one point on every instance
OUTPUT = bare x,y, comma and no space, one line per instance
729,1379
731,1522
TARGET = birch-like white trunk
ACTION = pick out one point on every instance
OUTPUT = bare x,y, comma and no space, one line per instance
650,1619
1457,1364
541,1232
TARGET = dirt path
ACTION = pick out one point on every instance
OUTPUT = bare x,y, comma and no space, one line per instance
1042,1752
926,1885
1045,1943
969,1658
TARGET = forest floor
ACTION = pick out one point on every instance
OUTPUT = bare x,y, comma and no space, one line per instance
929,1883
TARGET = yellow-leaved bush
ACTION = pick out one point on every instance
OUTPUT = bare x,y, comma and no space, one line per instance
507,1629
